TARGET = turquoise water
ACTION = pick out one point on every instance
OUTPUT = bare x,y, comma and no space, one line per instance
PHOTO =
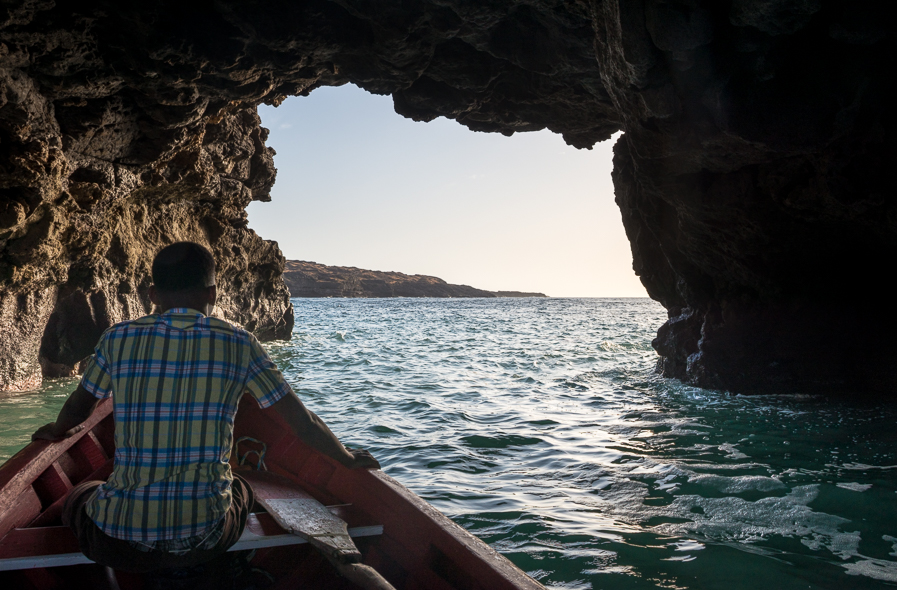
540,425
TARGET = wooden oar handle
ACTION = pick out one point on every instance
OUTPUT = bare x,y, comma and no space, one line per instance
301,514
363,576
338,547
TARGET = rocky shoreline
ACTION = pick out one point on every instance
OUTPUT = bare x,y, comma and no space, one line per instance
310,279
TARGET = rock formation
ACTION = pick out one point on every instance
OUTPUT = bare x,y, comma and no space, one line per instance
755,181
754,175
310,279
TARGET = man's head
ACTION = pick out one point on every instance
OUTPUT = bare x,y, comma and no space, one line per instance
184,276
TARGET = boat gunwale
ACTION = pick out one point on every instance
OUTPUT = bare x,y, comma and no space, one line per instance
21,470
365,488
372,491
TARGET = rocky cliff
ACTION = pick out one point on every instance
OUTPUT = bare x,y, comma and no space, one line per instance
754,176
309,279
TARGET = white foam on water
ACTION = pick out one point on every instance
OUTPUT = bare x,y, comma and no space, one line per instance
878,569
736,485
735,520
648,467
853,486
734,466
683,558
687,545
861,466
893,542
844,545
731,451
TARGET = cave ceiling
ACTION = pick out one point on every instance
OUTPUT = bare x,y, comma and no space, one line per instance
753,176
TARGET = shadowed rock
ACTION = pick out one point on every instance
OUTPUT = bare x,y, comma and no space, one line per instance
754,176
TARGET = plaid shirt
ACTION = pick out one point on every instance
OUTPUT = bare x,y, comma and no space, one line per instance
175,380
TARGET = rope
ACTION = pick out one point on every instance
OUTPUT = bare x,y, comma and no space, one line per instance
241,460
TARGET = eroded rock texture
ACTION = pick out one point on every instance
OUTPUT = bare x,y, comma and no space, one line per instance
754,176
756,183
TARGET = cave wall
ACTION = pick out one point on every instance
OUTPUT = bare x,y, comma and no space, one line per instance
97,176
756,185
753,177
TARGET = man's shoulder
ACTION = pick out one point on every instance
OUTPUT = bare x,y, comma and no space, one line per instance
122,327
212,324
225,327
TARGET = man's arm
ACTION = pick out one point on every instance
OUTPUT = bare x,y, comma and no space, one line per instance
78,408
312,430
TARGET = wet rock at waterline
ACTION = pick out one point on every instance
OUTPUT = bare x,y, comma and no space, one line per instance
754,176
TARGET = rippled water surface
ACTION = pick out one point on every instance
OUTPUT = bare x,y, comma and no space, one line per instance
540,425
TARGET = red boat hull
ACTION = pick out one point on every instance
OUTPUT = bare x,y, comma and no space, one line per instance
419,548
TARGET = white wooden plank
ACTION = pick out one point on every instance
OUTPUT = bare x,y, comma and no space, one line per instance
26,563
248,540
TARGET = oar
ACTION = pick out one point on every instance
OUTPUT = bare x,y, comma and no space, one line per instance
300,514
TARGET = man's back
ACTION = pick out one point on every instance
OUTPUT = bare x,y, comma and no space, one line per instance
175,379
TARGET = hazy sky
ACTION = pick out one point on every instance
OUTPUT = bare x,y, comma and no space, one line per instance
359,185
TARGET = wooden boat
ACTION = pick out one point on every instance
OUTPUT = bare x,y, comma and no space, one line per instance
409,542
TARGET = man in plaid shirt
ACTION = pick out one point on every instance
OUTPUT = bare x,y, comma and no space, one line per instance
176,378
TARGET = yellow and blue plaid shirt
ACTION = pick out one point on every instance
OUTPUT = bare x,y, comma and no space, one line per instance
175,380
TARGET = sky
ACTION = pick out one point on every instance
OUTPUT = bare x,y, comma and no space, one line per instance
358,185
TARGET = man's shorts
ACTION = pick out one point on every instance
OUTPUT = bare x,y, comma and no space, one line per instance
122,555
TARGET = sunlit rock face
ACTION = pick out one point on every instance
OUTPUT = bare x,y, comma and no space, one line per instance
754,177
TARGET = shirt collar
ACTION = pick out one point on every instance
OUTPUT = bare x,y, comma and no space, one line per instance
183,310
183,318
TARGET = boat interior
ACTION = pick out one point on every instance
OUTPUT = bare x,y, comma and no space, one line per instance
399,535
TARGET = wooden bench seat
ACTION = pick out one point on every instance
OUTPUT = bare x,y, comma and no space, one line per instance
56,546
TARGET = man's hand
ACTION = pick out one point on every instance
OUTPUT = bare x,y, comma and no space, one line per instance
77,409
52,432
362,459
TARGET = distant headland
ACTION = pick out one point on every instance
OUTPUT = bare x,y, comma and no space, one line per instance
310,279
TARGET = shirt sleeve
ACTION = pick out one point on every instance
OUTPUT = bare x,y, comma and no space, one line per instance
97,379
265,382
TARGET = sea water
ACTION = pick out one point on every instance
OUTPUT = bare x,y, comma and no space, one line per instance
541,426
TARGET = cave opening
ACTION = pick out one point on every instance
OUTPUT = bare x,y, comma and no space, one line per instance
359,186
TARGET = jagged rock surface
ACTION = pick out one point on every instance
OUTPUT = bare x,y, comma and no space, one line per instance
754,175
756,184
310,279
